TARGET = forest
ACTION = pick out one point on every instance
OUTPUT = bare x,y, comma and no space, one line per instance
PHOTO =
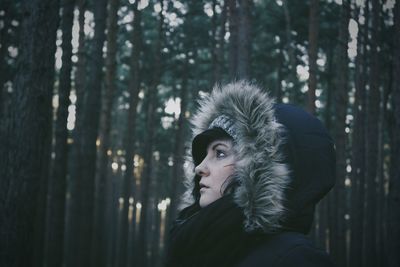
95,102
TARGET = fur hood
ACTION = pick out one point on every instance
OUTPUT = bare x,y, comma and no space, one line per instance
274,146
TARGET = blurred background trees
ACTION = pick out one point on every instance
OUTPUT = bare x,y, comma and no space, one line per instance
95,98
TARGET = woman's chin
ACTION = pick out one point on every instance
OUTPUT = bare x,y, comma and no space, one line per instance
206,198
204,201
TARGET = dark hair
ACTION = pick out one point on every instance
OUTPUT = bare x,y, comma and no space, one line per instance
196,188
232,183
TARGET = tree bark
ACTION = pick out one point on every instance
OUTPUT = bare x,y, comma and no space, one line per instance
7,8
394,186
80,74
57,182
218,43
214,42
99,238
358,150
313,28
148,154
278,88
80,83
380,215
113,214
26,138
290,55
154,233
329,89
243,40
233,39
84,169
130,136
179,148
221,45
370,255
322,212
325,206
338,236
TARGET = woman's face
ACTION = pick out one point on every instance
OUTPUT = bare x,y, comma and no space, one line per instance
214,170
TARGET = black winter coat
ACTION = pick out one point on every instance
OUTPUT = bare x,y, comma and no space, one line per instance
214,236
285,163
287,249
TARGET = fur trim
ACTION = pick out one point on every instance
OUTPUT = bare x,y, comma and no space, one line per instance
262,176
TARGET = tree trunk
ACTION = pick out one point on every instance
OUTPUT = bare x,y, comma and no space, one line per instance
154,233
394,186
57,182
4,44
113,213
313,28
84,170
131,234
80,82
214,42
358,151
221,45
338,236
382,178
233,39
329,90
372,143
218,43
291,80
145,223
243,40
179,147
26,139
130,136
278,88
81,74
148,154
99,240
323,223
325,206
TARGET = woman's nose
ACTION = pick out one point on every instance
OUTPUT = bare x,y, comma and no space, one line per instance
202,169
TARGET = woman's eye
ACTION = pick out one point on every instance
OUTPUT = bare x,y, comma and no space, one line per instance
220,153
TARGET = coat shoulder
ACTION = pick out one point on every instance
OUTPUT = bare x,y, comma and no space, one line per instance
286,250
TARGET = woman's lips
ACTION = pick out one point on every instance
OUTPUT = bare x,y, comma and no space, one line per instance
203,187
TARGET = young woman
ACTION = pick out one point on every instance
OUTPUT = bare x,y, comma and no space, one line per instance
259,170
